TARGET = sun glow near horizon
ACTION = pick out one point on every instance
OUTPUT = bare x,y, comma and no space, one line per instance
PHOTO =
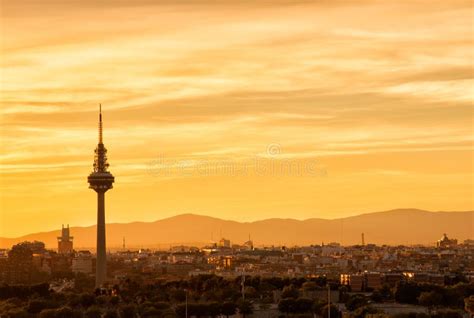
243,110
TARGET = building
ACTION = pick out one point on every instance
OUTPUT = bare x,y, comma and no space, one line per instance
82,262
392,279
355,281
248,245
374,280
100,180
60,263
469,243
332,249
224,243
298,257
65,241
445,242
362,281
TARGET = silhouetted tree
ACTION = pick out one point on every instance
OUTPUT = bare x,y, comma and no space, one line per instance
67,312
407,292
287,305
356,301
93,312
128,311
86,300
290,292
303,305
111,313
447,313
48,313
17,313
228,309
335,313
361,312
430,299
245,307
376,297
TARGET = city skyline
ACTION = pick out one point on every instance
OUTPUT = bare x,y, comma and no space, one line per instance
380,110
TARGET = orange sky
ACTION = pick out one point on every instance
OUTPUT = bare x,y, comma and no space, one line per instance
242,110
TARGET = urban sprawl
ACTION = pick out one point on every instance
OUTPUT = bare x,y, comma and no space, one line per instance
237,280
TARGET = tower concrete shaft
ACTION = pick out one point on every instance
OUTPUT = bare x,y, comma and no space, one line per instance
101,180
101,265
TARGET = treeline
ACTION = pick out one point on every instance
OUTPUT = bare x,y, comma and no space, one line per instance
433,295
24,292
211,296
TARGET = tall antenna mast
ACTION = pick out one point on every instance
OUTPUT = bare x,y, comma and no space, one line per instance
100,123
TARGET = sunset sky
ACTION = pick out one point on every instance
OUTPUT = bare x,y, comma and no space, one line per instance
241,110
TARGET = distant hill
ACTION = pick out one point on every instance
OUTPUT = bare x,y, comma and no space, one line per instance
401,226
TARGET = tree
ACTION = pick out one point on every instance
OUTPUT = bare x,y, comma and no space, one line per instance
318,306
114,300
386,292
407,292
290,292
67,312
17,313
194,309
35,306
128,311
245,308
101,300
453,296
361,312
376,296
40,289
161,306
93,312
20,261
213,309
48,313
343,293
303,305
181,310
86,300
111,313
356,301
447,313
250,292
430,299
469,305
150,312
287,305
309,286
335,313
20,253
178,295
228,309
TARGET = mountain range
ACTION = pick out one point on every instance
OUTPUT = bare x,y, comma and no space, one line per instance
394,227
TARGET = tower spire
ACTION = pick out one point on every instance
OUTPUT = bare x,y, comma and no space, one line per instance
100,123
